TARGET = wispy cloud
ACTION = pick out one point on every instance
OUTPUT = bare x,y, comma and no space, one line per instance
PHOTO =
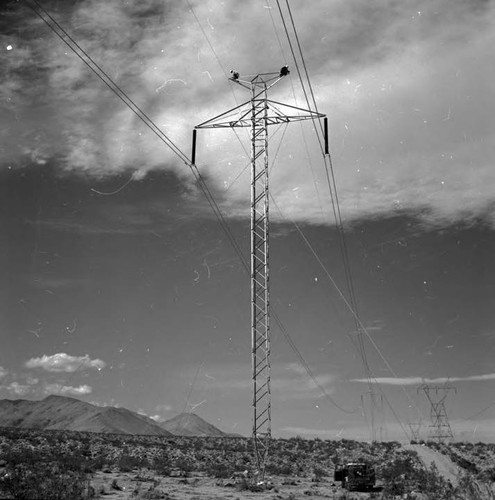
53,283
3,372
62,362
421,380
288,381
355,432
64,390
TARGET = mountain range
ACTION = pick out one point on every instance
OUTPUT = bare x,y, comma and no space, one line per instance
65,413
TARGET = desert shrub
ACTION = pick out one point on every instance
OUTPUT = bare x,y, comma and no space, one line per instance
185,464
152,495
242,484
396,475
75,462
486,475
279,468
45,481
468,465
404,475
24,455
94,464
115,485
319,472
219,470
434,485
469,489
161,463
127,463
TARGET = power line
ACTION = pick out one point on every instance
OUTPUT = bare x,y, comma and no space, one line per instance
93,66
100,73
331,185
303,61
352,306
335,202
307,367
322,265
292,52
315,183
478,413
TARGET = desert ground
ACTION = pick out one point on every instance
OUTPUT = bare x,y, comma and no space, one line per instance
62,465
199,487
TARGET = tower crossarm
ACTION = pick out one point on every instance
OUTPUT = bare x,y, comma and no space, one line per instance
276,113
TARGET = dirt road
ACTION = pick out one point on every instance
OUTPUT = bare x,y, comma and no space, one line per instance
445,466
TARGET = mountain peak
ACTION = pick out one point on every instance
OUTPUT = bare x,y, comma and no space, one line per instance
190,424
56,397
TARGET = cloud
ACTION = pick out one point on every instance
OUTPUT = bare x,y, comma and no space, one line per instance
65,390
406,87
105,404
288,380
62,362
162,408
420,380
18,389
308,432
157,418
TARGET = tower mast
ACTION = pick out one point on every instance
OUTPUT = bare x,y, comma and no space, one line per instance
258,113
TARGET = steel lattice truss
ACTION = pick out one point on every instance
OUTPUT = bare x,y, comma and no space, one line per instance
260,293
436,395
258,113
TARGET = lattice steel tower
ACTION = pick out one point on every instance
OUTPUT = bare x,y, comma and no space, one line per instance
415,428
437,394
258,113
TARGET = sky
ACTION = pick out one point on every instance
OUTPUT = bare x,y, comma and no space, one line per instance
121,288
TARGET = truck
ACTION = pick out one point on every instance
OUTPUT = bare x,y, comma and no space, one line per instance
355,476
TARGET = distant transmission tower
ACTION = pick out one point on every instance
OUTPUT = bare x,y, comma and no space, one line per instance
258,113
372,413
437,394
415,428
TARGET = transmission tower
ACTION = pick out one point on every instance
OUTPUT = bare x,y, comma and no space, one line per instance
415,428
372,413
437,394
258,113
